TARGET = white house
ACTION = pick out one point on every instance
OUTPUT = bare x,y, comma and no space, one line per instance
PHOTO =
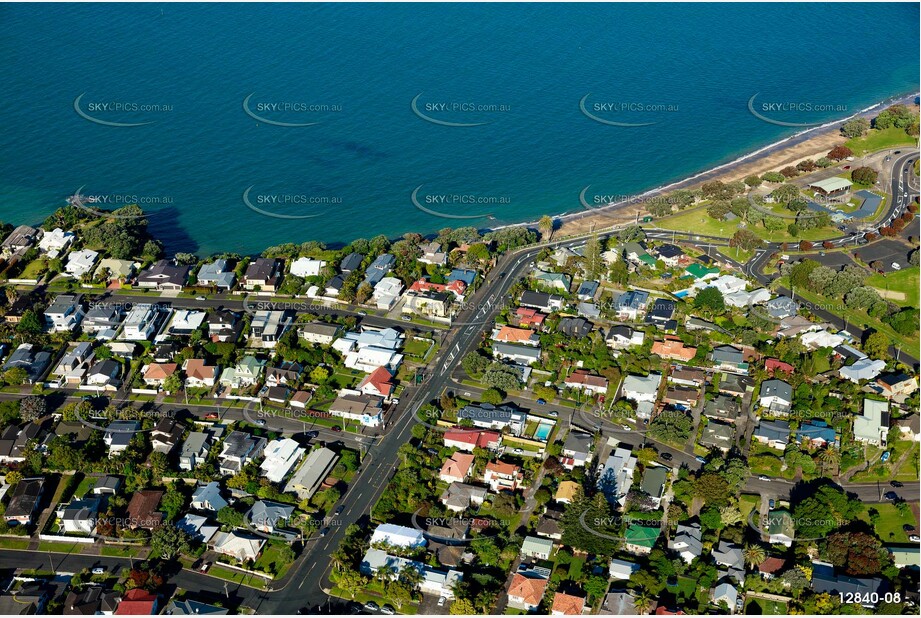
55,242
281,456
80,262
392,535
307,267
641,388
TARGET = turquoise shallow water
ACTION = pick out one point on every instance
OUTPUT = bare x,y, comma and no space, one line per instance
689,69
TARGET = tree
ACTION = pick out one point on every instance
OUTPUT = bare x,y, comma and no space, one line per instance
230,517
15,376
839,152
29,323
545,226
594,265
805,245
855,127
363,293
462,607
351,581
754,555
169,542
319,375
493,396
32,408
876,345
899,116
753,181
596,587
773,177
864,175
858,553
710,300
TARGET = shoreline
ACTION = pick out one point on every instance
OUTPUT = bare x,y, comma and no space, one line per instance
804,144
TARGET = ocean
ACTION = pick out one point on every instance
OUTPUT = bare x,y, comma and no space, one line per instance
253,125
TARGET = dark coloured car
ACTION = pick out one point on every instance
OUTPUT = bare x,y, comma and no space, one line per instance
313,434
666,456
895,484
891,495
336,428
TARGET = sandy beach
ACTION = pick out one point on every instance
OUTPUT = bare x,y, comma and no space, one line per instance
811,144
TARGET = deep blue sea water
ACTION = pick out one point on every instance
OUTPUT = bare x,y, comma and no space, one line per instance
690,69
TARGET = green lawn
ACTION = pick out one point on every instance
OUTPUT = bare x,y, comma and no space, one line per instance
889,528
268,561
120,551
902,286
737,253
61,548
237,577
33,268
700,222
877,139
748,503
769,608
85,485
7,543
575,568
417,347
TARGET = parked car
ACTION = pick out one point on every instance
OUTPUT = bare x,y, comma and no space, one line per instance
204,568
324,531
211,415
386,609
700,459
372,606
442,601
891,495
914,538
764,478
895,483
260,422
339,508
335,428
99,571
666,456
406,318
312,434
362,313
541,401
199,298
896,266
771,503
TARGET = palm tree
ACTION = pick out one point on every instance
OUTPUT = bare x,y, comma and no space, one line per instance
829,458
545,226
643,601
385,573
754,555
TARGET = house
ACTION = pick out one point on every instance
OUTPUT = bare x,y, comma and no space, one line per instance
155,374
166,435
239,449
780,527
558,281
735,384
431,304
873,425
241,546
865,590
588,310
781,307
775,434
387,291
90,601
653,483
224,326
24,499
432,254
576,328
355,406
501,476
488,416
717,435
107,485
817,434
185,322
567,492
244,374
218,274
641,388
460,274
102,316
729,358
726,593
118,436
510,334
317,466
307,267
423,286
776,396
896,385
526,593
639,540
548,526
622,569
30,358
79,516
630,305
528,317
75,364
142,510
21,239
281,456
636,252
687,376
370,348
194,450
115,270
459,497
64,314
55,242
723,408
392,535
619,603
616,475
660,313
435,582
700,272
584,381
834,186
105,374
191,607
541,301
267,327
15,442
319,332
378,383
693,324
773,365
138,602
164,275
577,449
672,348
771,567
587,290
905,556
285,373
909,427
519,354
536,547
80,262
567,605
263,275
687,542
468,439
730,555
622,337
208,498
350,263
198,374
165,351
865,369
379,268
670,254
142,322
270,517
457,468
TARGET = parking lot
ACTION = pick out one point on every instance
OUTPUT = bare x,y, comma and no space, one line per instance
834,259
886,251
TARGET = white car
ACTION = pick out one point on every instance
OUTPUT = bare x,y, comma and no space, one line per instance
442,601
99,571
896,266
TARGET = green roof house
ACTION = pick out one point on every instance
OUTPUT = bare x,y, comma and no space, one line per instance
640,539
